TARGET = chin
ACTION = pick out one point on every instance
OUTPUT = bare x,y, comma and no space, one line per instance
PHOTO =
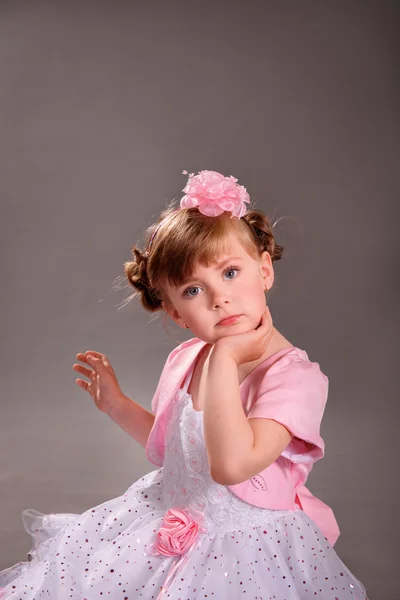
234,330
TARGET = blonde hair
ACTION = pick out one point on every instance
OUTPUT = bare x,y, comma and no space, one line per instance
187,237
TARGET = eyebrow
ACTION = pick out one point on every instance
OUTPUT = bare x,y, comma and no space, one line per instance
225,260
218,265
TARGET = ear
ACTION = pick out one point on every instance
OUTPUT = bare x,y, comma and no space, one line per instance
173,313
266,269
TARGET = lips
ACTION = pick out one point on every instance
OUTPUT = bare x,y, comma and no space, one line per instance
229,320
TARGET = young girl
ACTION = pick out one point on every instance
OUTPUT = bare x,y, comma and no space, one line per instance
234,431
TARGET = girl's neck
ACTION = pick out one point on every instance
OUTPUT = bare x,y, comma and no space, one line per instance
277,342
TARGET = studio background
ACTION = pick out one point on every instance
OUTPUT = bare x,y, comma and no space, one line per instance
102,105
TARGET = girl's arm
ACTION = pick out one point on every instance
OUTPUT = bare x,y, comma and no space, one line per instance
237,448
227,432
132,418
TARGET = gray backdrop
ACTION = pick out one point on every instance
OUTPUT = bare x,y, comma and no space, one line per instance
103,104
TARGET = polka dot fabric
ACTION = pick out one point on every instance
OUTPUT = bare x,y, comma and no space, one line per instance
242,551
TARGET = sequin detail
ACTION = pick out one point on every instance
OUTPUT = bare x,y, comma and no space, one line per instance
244,551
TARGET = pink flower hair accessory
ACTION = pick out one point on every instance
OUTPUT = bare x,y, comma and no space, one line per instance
212,194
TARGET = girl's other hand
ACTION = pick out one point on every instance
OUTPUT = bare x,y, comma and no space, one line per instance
103,385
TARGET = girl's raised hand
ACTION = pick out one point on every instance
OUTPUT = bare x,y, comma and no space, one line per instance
103,385
251,345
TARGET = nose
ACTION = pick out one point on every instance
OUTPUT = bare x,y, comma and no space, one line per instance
219,297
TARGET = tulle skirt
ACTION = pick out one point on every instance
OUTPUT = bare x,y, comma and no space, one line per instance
104,553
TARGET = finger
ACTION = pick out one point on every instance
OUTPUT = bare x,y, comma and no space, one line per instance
265,322
83,357
80,356
95,362
266,326
267,315
94,353
84,370
99,355
82,384
262,321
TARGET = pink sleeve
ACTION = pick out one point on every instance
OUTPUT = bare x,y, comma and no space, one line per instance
294,392
169,369
161,381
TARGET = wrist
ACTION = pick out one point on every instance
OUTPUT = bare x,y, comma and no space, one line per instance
222,353
119,401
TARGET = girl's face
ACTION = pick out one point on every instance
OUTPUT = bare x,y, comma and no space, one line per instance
234,285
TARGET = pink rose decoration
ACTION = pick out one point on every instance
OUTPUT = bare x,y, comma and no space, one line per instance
175,537
177,533
213,194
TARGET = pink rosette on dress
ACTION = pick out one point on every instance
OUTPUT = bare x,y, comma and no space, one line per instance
175,537
212,194
177,533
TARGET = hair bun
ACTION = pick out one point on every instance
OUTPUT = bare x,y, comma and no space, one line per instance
263,229
136,272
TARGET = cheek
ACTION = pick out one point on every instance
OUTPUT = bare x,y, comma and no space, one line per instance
255,297
196,316
255,290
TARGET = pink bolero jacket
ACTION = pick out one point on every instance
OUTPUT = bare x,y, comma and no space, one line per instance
286,387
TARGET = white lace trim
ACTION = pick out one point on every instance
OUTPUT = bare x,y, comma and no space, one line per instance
187,482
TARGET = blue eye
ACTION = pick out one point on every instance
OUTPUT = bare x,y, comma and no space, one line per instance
186,292
231,269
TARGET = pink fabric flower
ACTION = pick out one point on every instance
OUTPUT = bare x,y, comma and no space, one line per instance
213,194
176,537
177,533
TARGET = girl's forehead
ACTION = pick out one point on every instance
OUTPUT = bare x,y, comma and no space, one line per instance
220,260
229,245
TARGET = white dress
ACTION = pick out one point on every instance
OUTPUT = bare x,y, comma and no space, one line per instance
242,551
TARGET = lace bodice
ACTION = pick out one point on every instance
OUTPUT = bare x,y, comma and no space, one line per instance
187,482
